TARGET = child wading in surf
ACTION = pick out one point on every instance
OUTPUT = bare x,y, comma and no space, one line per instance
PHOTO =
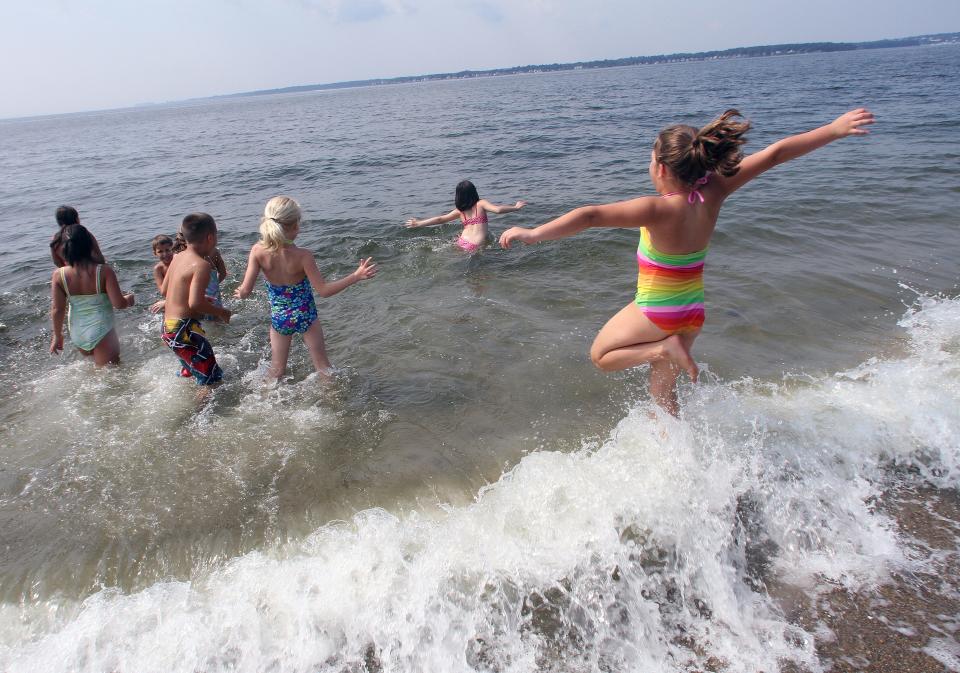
89,289
292,276
472,211
694,171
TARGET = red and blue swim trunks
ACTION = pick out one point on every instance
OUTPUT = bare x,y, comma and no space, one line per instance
186,338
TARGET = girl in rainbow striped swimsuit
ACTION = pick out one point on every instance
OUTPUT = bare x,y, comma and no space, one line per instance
694,171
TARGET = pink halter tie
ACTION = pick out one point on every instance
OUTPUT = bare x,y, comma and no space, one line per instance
694,193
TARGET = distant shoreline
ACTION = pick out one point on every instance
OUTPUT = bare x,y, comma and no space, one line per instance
737,52
680,57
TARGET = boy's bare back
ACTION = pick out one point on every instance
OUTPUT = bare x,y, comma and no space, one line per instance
188,274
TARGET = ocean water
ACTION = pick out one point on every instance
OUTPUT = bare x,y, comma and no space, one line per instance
469,494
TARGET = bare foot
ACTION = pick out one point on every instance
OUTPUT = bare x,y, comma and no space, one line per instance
677,353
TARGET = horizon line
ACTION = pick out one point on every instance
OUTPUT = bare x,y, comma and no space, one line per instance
784,49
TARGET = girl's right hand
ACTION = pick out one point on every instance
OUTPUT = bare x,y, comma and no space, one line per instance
520,204
367,269
56,343
521,234
411,223
849,124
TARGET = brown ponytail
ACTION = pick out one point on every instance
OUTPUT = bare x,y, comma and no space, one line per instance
179,243
690,153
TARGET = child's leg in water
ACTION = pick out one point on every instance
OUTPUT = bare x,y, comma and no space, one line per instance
107,352
629,339
279,351
313,338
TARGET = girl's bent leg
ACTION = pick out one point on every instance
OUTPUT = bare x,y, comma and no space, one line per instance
630,338
313,337
107,352
279,351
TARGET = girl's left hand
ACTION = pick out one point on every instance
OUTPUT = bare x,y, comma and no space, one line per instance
367,269
411,223
520,204
849,124
56,343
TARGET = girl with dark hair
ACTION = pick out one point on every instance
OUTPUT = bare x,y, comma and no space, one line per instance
67,215
91,291
694,171
472,211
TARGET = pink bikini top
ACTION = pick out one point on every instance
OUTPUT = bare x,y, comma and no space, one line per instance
479,218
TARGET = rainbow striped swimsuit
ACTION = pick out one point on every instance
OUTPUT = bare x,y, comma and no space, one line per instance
670,287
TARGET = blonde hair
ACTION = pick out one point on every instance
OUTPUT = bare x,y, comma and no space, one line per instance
279,216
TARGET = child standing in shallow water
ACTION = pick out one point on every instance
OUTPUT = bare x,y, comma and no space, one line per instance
694,170
91,291
292,275
472,211
184,287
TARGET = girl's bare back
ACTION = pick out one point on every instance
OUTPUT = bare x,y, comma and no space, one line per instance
284,266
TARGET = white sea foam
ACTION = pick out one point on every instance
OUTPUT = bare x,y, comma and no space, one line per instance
648,552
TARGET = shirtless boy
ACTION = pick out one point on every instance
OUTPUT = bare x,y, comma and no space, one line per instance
184,287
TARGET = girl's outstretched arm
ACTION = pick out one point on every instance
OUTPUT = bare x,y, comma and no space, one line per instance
250,276
367,269
439,219
494,208
849,124
633,213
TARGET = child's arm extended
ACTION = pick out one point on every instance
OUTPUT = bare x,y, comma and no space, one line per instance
848,124
58,311
439,219
197,301
249,276
117,298
633,213
494,208
367,269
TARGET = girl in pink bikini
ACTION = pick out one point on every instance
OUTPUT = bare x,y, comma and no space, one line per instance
472,211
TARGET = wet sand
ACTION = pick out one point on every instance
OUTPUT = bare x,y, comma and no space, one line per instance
909,625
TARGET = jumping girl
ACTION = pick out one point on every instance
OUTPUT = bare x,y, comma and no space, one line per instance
292,276
472,211
694,172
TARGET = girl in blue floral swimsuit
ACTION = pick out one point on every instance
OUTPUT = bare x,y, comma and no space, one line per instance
292,275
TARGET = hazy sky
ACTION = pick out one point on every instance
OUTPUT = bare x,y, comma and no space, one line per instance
71,55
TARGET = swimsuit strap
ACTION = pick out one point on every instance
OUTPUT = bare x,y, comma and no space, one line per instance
63,281
99,266
694,193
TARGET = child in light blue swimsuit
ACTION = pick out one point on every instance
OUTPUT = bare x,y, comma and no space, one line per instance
292,276
90,318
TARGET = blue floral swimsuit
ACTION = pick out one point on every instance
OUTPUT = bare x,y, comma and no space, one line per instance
292,309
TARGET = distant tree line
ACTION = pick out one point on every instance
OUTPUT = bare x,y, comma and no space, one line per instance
738,52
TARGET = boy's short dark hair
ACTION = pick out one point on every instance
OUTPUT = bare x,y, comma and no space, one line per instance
67,215
160,239
196,226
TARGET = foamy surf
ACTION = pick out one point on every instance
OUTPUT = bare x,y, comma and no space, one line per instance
648,552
